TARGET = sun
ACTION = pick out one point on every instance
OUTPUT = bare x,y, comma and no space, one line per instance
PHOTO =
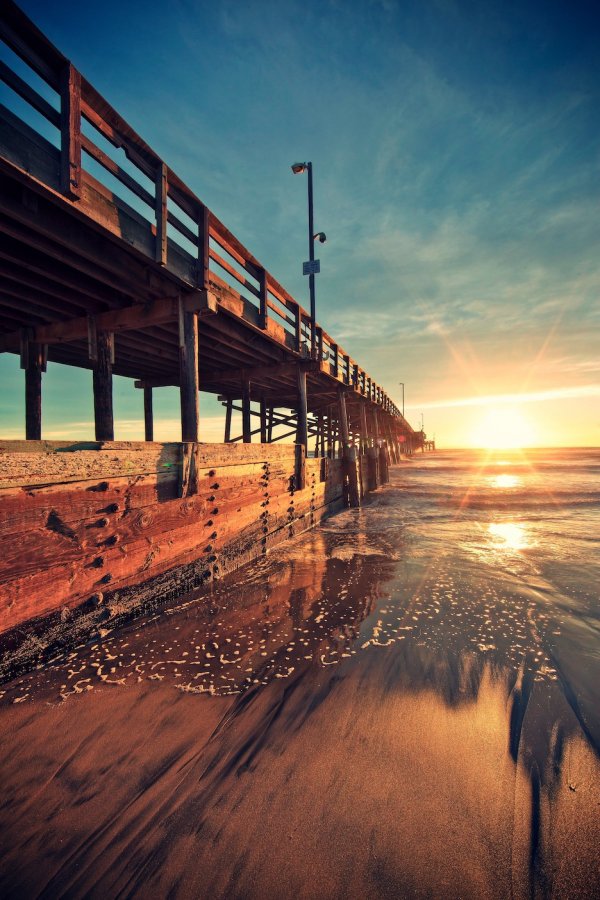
503,428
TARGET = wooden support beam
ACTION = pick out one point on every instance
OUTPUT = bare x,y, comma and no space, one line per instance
188,374
246,426
130,318
228,411
276,370
102,385
148,415
270,424
70,132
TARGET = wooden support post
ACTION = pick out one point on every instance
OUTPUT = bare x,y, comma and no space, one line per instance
263,422
228,411
102,383
246,424
375,426
148,415
70,132
343,418
160,205
364,427
302,432
270,424
329,433
188,374
351,477
33,360
383,465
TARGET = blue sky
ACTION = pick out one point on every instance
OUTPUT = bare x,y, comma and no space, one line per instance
456,156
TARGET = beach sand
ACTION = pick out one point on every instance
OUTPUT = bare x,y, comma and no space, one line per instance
401,703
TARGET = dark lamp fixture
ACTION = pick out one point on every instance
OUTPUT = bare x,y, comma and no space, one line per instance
320,236
298,168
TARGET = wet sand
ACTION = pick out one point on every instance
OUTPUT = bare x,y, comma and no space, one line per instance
394,705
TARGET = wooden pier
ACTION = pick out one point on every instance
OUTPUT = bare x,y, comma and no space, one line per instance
110,262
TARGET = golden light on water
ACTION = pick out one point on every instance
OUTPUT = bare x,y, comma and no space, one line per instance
505,481
503,428
509,535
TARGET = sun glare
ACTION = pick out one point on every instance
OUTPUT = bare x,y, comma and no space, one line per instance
503,428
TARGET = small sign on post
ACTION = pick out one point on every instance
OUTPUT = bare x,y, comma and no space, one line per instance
312,267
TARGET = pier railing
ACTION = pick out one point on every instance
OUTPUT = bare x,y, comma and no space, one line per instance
97,146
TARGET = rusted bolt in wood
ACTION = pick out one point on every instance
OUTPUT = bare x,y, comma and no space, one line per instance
214,487
98,562
215,511
212,498
111,508
112,540
106,578
210,521
211,474
102,523
208,548
213,535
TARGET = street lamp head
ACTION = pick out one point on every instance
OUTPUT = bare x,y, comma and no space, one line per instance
298,168
320,236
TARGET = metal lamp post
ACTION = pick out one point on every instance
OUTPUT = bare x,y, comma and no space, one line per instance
401,383
313,265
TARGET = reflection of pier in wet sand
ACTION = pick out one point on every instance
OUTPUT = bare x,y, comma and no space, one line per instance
350,718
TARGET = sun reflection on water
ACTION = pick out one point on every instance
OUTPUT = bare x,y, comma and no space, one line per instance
509,535
504,481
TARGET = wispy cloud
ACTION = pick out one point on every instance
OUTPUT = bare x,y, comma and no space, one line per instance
564,393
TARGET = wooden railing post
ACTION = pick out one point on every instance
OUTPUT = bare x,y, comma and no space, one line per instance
298,328
264,308
203,248
160,202
319,344
70,132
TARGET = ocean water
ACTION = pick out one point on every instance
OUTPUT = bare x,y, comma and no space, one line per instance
404,701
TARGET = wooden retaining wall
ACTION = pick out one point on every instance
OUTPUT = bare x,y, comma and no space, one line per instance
84,523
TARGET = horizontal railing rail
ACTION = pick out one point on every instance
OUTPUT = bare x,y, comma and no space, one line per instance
165,200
